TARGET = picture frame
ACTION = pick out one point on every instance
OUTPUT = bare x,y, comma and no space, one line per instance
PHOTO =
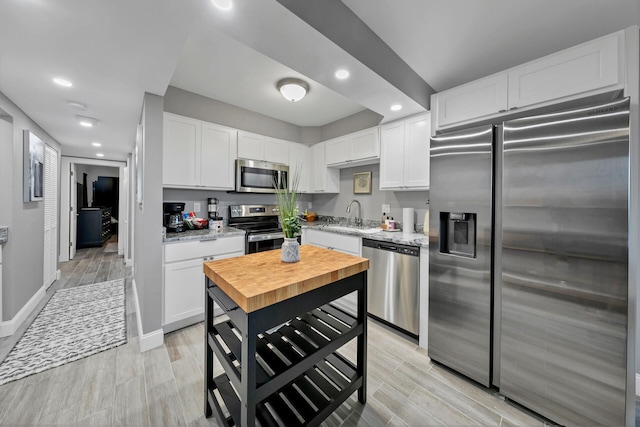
362,183
33,167
139,162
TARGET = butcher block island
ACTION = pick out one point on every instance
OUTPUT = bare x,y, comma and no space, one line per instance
278,346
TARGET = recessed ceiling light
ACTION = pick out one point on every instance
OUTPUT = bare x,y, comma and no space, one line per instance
62,82
96,144
223,4
87,122
77,105
396,107
342,74
99,154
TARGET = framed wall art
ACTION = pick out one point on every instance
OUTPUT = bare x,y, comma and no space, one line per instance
33,170
139,161
362,183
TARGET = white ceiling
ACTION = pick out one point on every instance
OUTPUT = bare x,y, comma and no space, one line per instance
116,50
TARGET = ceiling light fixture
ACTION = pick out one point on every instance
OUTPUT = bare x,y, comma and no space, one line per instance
293,89
99,154
62,82
396,107
96,144
87,122
223,4
342,74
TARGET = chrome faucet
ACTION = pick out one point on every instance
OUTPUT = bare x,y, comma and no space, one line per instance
359,218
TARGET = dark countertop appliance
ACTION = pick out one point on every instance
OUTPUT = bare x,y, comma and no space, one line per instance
172,218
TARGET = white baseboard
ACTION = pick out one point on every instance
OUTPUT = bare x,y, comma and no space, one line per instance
152,339
10,327
128,262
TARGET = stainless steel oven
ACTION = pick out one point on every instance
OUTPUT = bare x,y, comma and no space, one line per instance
254,176
261,225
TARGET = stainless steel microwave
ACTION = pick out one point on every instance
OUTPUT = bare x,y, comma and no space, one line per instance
254,176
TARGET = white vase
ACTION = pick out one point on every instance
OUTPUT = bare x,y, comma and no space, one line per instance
290,250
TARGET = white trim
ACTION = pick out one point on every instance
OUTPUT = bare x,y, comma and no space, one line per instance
58,274
637,384
9,327
152,339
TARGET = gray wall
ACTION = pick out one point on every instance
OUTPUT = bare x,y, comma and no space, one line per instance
336,204
189,104
23,255
148,220
189,197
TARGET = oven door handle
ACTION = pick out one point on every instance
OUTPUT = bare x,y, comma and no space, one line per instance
261,237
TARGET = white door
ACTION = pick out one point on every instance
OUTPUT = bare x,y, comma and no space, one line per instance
73,211
50,215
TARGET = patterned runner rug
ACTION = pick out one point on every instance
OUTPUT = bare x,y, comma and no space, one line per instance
75,323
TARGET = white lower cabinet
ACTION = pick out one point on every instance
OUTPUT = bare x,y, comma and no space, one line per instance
351,245
184,278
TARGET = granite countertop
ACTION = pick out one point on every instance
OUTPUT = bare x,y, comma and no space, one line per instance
261,279
204,234
400,237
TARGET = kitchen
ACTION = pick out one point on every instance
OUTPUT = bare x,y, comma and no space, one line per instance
324,204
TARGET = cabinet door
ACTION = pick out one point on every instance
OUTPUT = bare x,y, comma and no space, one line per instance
218,155
392,154
364,145
473,100
183,290
336,151
180,150
325,180
417,141
299,163
250,146
276,150
587,67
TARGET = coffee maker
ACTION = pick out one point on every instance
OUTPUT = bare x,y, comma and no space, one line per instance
173,217
215,220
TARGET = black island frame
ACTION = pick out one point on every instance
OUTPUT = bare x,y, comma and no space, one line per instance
291,375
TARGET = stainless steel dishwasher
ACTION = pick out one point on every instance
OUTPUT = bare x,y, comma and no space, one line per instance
393,283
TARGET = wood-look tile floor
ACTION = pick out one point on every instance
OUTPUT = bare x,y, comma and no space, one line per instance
164,386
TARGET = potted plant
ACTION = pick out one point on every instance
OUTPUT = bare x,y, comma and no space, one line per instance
287,200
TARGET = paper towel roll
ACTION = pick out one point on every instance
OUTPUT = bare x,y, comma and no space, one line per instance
408,221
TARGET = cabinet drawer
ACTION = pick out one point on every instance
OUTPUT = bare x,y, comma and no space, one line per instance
329,240
202,248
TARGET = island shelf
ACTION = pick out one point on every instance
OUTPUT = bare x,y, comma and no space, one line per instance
294,375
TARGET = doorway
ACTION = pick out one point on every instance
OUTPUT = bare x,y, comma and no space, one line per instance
77,191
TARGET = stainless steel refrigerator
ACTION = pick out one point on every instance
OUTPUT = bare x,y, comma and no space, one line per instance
529,260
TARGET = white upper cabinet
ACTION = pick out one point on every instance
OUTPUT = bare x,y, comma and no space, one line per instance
181,140
218,152
359,148
336,151
590,68
254,146
475,100
324,180
404,157
299,163
197,154
587,67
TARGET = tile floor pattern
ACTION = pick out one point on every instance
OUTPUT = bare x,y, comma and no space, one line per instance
164,386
